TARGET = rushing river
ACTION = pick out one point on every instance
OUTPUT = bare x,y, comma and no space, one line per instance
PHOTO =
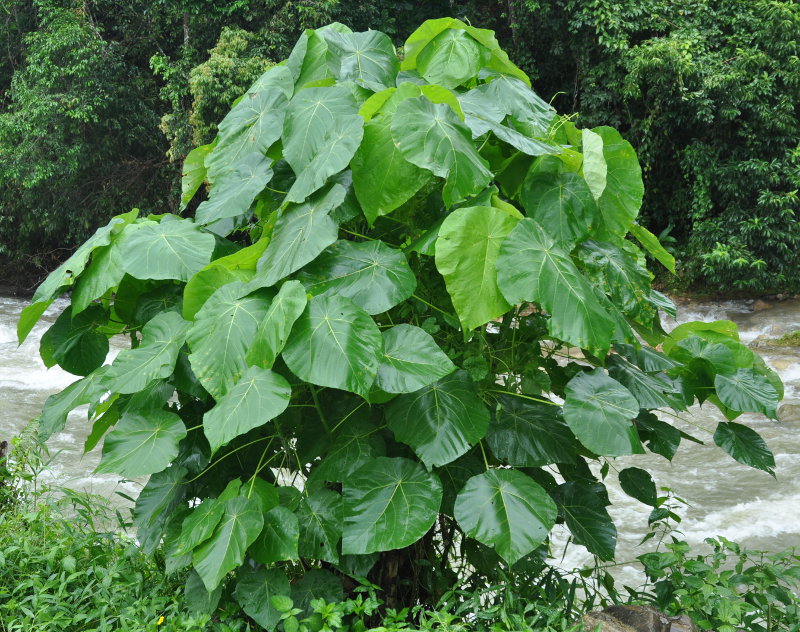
725,498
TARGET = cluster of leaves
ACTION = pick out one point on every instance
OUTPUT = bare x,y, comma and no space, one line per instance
708,93
436,262
727,589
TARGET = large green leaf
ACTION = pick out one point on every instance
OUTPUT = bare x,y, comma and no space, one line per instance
441,421
142,444
585,513
507,510
162,493
301,233
653,246
254,591
320,516
411,360
650,390
659,436
388,504
371,274
747,391
252,125
356,442
433,137
595,169
745,445
87,390
383,179
530,434
622,196
562,204
527,112
599,410
273,331
258,396
466,256
154,358
200,524
170,249
239,527
638,484
74,342
279,538
194,172
335,343
235,190
221,335
531,267
367,58
451,58
317,583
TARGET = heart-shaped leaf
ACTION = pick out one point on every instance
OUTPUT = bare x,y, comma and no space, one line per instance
411,360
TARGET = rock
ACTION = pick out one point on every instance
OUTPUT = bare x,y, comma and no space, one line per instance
682,624
789,413
760,305
636,619
602,622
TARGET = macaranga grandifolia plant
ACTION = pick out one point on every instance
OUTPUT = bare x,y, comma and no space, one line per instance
411,311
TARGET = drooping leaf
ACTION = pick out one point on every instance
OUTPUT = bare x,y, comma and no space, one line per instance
388,504
28,318
619,204
451,58
274,329
527,112
650,390
599,410
142,444
367,58
87,390
531,267
440,421
235,190
320,517
221,335
279,539
154,358
562,204
301,233
587,519
659,436
170,249
530,434
411,360
200,524
258,396
200,600
237,530
194,172
254,591
653,246
335,343
371,274
744,445
747,391
507,510
433,137
638,484
163,492
467,251
595,169
74,343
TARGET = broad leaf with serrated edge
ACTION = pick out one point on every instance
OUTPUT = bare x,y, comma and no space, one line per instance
441,421
320,516
237,530
170,249
388,504
527,433
371,274
279,538
258,396
562,204
467,250
507,510
367,58
254,591
744,445
154,358
585,513
274,329
142,444
433,137
335,343
301,233
221,334
531,267
599,410
411,360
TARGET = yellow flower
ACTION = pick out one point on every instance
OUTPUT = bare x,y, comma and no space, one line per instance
160,620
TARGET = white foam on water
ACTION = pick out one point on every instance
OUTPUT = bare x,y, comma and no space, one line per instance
757,518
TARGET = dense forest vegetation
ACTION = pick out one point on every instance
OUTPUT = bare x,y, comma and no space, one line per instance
101,100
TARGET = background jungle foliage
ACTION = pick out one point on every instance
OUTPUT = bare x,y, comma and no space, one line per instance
101,100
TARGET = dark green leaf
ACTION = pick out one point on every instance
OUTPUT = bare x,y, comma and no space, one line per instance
660,437
320,516
316,584
356,442
74,342
650,390
587,519
200,524
254,591
744,445
279,538
194,172
638,484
